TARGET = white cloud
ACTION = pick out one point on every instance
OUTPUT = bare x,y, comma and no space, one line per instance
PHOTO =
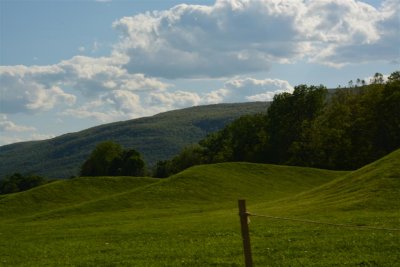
217,96
229,38
354,32
110,106
122,104
9,139
30,89
173,100
11,132
8,126
41,88
239,36
248,89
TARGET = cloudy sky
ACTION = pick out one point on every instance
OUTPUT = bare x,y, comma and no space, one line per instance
69,65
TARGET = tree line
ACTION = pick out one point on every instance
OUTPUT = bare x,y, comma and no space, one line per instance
310,127
18,182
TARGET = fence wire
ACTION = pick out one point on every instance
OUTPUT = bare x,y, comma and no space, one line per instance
360,227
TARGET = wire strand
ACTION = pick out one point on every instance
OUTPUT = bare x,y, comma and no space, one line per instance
361,227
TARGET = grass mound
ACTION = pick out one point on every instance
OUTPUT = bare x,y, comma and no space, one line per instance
65,193
206,187
374,187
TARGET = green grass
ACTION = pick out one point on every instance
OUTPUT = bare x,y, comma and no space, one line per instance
191,218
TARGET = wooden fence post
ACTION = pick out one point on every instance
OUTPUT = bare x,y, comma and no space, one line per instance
245,233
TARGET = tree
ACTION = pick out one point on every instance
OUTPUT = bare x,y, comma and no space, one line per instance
389,114
109,159
247,138
286,118
163,169
377,79
17,182
129,163
99,162
395,76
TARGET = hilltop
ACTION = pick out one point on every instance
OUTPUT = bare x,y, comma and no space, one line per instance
157,138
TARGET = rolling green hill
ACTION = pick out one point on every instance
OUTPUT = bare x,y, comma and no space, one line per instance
374,187
190,219
206,185
157,138
66,193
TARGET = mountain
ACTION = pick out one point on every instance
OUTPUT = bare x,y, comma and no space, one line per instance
157,138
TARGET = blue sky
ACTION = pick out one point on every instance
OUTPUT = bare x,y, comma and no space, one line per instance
69,65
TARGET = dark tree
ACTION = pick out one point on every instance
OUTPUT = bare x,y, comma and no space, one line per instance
17,182
287,116
109,159
99,162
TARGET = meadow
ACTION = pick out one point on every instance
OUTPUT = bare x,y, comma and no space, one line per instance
191,218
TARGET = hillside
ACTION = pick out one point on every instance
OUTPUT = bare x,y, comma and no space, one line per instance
190,219
376,186
65,193
157,138
201,185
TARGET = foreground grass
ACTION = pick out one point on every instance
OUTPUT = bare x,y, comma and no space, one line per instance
191,220
196,239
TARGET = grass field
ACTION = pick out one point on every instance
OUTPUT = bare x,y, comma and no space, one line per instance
191,219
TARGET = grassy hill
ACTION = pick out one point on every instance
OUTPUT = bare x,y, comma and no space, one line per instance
207,185
373,187
157,138
65,193
191,219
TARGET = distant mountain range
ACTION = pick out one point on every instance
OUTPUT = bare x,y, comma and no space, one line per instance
157,138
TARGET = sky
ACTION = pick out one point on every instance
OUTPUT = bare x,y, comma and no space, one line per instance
69,65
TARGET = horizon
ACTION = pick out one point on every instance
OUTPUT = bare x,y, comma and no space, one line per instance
68,66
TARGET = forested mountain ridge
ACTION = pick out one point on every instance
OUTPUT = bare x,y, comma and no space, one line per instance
157,138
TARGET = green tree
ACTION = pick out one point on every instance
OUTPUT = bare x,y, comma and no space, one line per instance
189,156
17,182
129,163
349,131
109,159
389,114
287,116
163,169
377,79
101,158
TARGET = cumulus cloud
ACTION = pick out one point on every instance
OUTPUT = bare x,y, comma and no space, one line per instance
23,89
111,106
92,76
239,36
9,139
354,32
248,89
8,126
11,132
41,88
228,38
177,99
122,104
